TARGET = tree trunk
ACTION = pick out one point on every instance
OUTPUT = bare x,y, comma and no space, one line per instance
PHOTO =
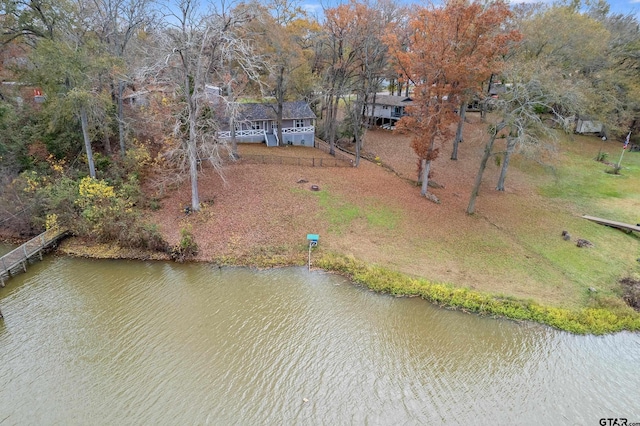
121,118
193,162
357,149
357,120
332,126
192,147
232,122
105,140
483,165
329,118
511,145
371,119
458,139
234,140
87,142
483,105
280,100
426,167
279,122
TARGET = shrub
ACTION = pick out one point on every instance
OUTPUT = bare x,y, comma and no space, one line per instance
631,290
144,236
602,156
592,320
187,247
136,158
615,170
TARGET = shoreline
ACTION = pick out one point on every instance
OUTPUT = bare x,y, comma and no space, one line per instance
589,320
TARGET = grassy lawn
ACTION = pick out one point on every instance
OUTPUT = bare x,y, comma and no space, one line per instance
521,253
510,250
583,186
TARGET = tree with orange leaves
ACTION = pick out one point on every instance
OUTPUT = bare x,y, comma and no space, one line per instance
451,50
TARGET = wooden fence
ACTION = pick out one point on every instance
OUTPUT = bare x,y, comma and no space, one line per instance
338,152
296,161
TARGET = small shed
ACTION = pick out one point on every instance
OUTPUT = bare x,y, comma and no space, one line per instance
588,125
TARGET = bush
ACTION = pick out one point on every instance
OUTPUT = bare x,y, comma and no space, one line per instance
152,238
187,247
144,236
602,156
615,170
93,209
631,292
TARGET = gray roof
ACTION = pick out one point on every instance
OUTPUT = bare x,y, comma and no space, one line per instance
393,100
290,111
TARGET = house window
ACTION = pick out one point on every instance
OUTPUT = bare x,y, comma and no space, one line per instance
298,123
256,125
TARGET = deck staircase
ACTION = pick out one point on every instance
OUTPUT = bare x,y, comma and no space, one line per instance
272,140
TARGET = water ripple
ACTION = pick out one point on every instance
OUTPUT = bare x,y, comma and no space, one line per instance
103,342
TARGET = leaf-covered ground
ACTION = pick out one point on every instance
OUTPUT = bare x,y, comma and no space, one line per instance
511,246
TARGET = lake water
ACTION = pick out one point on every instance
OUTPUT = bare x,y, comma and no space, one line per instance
123,342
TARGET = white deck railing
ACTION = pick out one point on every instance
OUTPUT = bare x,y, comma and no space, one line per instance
250,132
241,133
285,130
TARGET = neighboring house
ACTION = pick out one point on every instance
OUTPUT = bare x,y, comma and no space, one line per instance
212,93
496,89
257,123
588,125
387,109
139,98
21,92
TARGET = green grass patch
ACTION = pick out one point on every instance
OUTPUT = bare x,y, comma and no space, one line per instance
612,256
341,214
585,183
338,212
582,186
582,179
382,217
599,319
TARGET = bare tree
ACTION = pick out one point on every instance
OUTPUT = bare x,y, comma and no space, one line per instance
520,111
203,44
366,40
116,23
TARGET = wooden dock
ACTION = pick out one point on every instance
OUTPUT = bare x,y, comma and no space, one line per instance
18,259
613,224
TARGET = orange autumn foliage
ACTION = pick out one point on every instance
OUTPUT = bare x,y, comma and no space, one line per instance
449,51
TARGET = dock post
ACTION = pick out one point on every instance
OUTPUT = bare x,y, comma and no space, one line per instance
313,242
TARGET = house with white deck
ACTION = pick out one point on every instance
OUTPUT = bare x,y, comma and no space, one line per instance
257,123
387,109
